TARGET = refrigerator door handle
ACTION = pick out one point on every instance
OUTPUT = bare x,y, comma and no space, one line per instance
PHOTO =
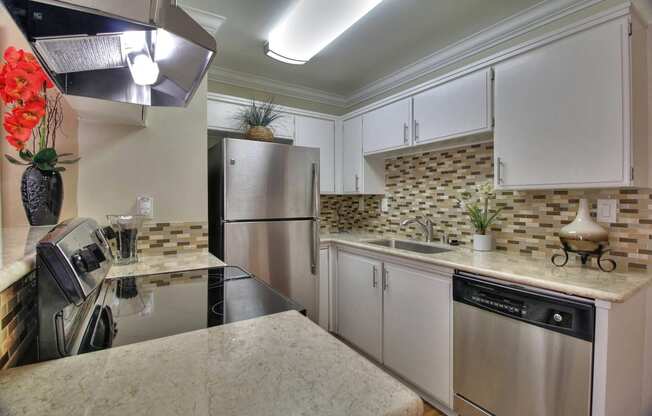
314,250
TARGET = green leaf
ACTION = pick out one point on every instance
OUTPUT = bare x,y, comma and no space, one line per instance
69,162
44,166
47,155
26,155
15,161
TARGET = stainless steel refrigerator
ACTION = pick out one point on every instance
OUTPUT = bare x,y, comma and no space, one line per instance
264,214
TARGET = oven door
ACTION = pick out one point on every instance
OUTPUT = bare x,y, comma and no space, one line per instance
99,332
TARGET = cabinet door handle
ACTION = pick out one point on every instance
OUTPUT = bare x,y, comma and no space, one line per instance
499,170
374,281
357,183
385,279
416,130
405,133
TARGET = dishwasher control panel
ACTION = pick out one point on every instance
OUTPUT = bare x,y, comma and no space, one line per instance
558,314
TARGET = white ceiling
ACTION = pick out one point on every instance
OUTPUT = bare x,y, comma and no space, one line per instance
393,35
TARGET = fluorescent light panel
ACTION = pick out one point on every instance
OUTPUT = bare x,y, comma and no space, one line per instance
311,25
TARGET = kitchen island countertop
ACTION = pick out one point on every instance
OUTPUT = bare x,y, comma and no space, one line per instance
280,364
573,279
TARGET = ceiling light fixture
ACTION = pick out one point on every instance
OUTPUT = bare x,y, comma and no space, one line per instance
311,25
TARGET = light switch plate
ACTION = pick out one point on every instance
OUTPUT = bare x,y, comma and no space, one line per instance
145,206
361,204
384,205
607,210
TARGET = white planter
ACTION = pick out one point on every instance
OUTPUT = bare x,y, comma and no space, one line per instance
483,242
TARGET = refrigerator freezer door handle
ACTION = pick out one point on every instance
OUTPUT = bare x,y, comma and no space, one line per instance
315,190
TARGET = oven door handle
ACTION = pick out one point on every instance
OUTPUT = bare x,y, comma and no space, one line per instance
105,316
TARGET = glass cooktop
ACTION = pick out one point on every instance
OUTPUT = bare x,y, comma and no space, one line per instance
161,305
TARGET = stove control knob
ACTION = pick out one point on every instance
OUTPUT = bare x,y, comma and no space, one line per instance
85,260
557,317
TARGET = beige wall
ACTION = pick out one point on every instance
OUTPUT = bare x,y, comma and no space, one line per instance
166,160
12,208
249,93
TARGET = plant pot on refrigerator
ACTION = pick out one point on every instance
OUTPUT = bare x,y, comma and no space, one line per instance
42,195
260,133
483,242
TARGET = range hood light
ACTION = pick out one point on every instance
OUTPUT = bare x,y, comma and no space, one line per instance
311,25
144,71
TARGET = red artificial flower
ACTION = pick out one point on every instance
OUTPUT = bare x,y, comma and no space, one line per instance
13,55
22,85
16,143
3,75
31,113
14,128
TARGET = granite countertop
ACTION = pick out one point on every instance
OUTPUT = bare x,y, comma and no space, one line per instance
279,364
148,265
18,258
18,252
573,279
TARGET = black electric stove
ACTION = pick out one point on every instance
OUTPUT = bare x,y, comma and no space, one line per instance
155,306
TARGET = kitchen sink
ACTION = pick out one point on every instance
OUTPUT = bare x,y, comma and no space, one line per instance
409,246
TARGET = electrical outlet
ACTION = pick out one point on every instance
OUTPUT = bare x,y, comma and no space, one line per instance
145,206
384,205
607,210
361,204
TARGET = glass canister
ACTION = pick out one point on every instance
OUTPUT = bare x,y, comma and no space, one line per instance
125,227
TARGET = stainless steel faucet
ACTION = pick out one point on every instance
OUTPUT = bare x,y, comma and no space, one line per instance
426,226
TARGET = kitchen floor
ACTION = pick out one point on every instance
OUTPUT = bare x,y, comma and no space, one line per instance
430,411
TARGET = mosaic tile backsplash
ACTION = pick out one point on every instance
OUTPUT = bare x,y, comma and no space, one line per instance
427,184
168,239
18,319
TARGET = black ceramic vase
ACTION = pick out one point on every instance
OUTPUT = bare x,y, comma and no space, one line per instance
42,193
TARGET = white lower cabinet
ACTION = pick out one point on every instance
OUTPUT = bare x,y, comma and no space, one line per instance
417,328
359,302
401,317
324,286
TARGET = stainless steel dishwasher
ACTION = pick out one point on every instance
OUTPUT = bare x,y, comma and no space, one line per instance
517,352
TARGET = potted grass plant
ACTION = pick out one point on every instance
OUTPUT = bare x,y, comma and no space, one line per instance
256,119
476,206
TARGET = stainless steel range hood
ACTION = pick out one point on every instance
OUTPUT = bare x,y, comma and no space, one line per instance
147,52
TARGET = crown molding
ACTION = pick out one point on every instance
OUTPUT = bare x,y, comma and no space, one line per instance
509,28
245,80
504,30
211,22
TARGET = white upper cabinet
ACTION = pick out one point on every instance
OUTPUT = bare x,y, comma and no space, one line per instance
283,126
222,115
460,107
360,175
352,155
563,113
319,133
388,127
